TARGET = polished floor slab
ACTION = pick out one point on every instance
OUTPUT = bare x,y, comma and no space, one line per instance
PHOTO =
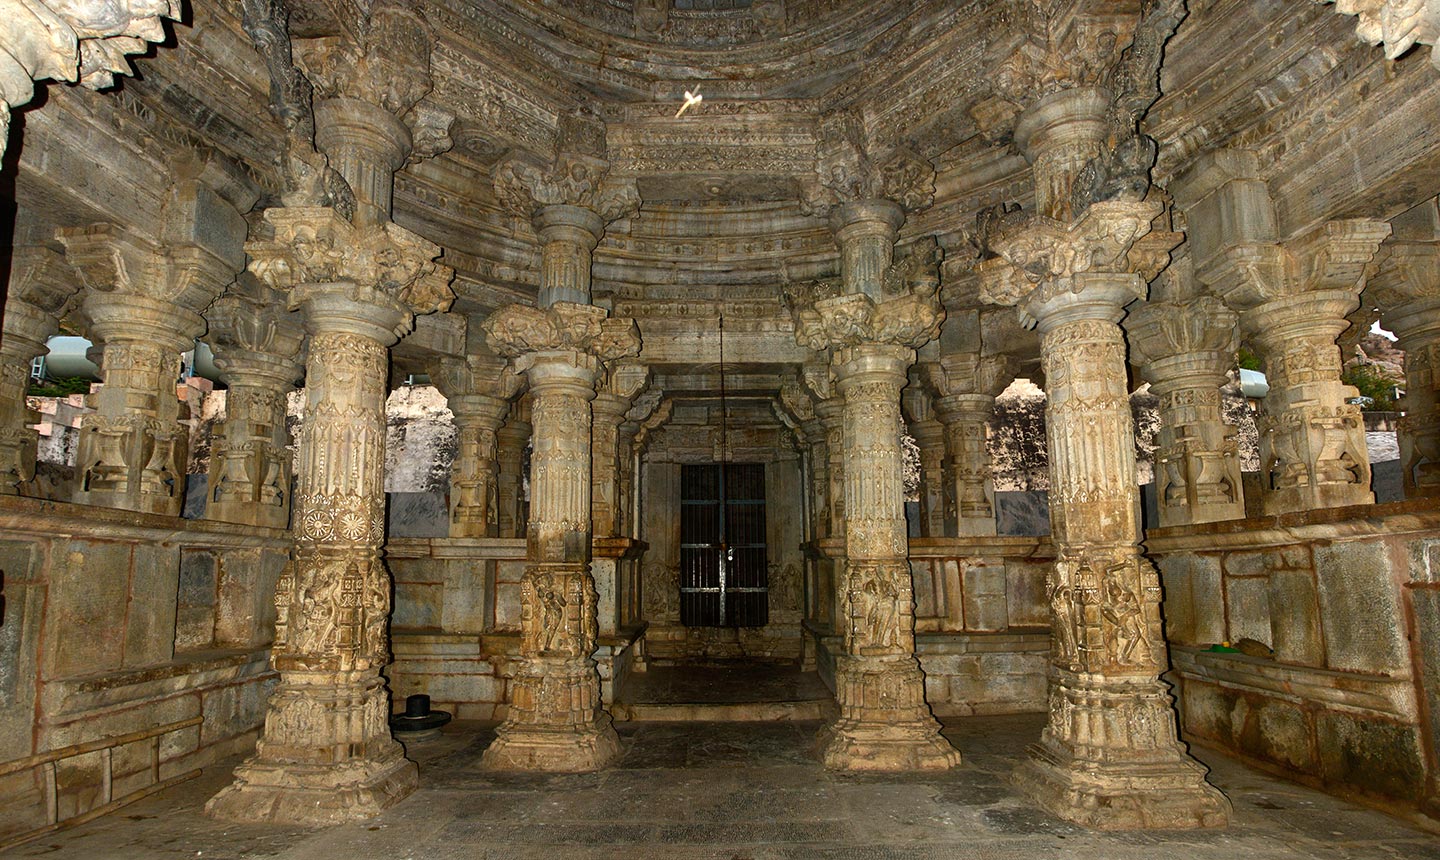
743,791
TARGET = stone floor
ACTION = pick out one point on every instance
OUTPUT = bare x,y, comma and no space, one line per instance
741,792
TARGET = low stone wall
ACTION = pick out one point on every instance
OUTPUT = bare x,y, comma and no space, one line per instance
455,631
982,628
1338,613
118,623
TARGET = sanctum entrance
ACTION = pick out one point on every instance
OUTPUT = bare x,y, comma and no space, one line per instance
723,558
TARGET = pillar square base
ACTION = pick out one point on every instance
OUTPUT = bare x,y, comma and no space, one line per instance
561,750
314,795
885,746
1163,793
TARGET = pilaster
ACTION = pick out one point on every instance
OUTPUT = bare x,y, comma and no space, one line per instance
257,345
967,384
1185,347
929,435
478,389
1109,756
1406,288
142,303
1293,298
510,442
41,290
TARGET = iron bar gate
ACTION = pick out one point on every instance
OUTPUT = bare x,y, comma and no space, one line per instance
723,559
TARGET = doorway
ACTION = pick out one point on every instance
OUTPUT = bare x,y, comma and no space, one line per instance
723,557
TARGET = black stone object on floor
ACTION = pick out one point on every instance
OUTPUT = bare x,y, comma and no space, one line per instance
418,722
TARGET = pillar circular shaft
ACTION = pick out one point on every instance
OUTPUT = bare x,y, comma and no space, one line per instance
250,462
865,232
1109,755
568,236
1059,134
473,486
884,722
366,144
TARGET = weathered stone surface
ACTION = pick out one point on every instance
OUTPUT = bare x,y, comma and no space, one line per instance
1359,600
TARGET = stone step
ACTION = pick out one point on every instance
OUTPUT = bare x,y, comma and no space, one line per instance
723,712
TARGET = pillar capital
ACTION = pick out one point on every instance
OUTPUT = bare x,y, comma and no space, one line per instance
577,174
388,66
1090,269
564,328
371,279
851,167
1183,344
905,310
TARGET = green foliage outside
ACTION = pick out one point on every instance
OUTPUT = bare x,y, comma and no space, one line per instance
62,387
1377,388
1247,359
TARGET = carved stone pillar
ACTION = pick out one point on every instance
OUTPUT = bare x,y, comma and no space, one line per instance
967,384
85,42
929,435
142,303
884,722
797,401
326,754
257,346
555,721
511,439
1406,287
621,383
41,289
478,390
1109,756
830,411
1184,349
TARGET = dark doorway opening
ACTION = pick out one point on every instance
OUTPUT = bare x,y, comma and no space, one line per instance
723,561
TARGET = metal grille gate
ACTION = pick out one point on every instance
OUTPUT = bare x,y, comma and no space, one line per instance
723,562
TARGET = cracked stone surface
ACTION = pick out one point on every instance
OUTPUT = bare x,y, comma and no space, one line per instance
746,791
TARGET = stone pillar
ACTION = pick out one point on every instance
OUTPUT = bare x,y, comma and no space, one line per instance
85,42
871,331
1185,349
967,384
511,439
1109,756
1293,298
326,754
1406,288
621,383
555,720
142,303
478,389
929,435
40,291
257,346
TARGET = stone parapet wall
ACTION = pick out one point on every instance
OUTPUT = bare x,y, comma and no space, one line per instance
1337,617
455,630
981,620
118,623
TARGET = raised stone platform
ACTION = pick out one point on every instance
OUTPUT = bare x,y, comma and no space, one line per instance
723,693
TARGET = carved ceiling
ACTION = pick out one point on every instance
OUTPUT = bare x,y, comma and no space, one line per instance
727,191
